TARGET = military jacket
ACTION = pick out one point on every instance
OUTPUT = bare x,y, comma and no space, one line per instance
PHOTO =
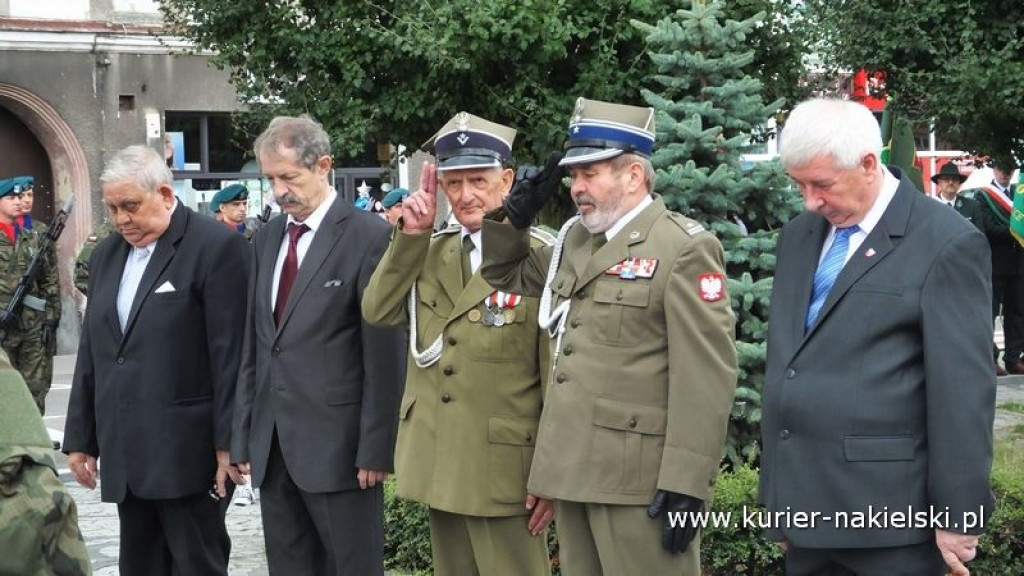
468,422
643,383
82,260
38,520
14,261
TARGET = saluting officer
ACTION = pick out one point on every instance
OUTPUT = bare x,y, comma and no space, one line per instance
644,359
473,394
231,204
26,327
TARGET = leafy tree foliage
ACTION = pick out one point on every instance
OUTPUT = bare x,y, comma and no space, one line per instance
960,64
389,71
707,108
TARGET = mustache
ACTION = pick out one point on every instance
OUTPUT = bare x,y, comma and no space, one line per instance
287,199
584,199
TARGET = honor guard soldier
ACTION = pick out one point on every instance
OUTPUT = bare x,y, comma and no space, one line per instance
644,363
469,416
231,203
82,260
38,519
30,331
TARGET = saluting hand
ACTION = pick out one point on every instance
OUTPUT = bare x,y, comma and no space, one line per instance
420,207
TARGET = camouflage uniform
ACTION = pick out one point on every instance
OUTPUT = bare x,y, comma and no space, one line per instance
39,533
82,261
24,342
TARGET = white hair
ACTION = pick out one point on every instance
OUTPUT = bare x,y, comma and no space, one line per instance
840,129
140,165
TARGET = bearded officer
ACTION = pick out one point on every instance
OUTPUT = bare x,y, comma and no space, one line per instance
644,359
468,420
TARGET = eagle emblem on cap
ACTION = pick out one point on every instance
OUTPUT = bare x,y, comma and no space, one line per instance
462,121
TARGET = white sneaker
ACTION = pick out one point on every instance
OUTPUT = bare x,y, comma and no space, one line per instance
244,495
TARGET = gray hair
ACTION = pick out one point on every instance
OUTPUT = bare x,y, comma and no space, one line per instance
302,134
140,165
622,160
841,129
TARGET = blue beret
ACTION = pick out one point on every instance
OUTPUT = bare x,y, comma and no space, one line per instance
7,187
229,194
22,183
394,197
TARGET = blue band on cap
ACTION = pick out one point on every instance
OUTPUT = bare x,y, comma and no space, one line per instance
470,143
612,137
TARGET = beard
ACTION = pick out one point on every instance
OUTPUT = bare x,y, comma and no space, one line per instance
601,217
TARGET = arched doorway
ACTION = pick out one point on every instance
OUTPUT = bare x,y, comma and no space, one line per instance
23,155
68,176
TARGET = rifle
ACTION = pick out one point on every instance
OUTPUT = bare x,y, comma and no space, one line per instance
265,216
36,266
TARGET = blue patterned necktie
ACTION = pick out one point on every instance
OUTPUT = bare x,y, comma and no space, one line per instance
827,272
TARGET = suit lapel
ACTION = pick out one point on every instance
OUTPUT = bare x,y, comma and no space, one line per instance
806,259
268,262
106,295
166,247
324,241
881,241
450,273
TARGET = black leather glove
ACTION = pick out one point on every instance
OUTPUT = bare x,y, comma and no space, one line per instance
8,320
531,191
677,531
49,339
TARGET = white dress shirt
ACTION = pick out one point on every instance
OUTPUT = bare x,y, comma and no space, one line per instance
134,268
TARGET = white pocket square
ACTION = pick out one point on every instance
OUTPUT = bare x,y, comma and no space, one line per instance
165,287
332,283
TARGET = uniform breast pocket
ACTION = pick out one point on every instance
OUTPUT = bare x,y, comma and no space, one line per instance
618,310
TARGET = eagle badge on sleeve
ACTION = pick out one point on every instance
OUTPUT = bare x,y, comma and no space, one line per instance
711,287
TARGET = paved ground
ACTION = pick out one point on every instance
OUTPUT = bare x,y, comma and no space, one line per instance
99,521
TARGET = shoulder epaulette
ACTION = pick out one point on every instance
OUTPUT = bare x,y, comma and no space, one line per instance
691,227
451,229
542,235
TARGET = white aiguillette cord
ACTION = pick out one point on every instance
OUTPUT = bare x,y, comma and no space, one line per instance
433,352
554,320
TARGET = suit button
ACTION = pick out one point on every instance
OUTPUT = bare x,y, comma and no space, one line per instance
560,378
568,350
581,294
448,371
275,351
790,374
120,360
433,303
619,295
784,434
632,422
446,398
575,323
529,437
452,341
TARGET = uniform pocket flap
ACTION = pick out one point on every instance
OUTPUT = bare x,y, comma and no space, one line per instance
878,448
407,403
623,292
629,417
509,430
563,283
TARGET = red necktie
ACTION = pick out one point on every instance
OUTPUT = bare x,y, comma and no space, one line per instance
289,270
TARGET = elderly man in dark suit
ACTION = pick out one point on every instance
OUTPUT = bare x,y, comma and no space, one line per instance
319,389
879,395
153,389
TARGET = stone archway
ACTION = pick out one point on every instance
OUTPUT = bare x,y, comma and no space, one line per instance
70,173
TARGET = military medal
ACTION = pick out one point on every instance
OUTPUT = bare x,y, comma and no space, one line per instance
633,268
499,319
474,315
488,318
499,307
510,316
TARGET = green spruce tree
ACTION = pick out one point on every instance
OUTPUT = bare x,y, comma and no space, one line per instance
708,109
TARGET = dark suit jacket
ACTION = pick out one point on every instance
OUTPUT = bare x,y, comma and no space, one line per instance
156,402
327,381
889,399
1007,253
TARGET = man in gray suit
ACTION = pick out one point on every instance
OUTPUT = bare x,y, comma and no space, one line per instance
318,389
879,395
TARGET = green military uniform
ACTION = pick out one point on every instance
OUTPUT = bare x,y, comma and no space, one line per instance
472,401
23,341
39,533
82,260
644,371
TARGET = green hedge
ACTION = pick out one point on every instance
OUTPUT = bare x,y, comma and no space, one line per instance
737,551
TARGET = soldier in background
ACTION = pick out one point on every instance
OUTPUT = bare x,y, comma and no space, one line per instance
25,328
38,519
231,204
473,396
41,328
82,260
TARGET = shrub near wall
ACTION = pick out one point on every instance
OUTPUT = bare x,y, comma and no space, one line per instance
738,551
